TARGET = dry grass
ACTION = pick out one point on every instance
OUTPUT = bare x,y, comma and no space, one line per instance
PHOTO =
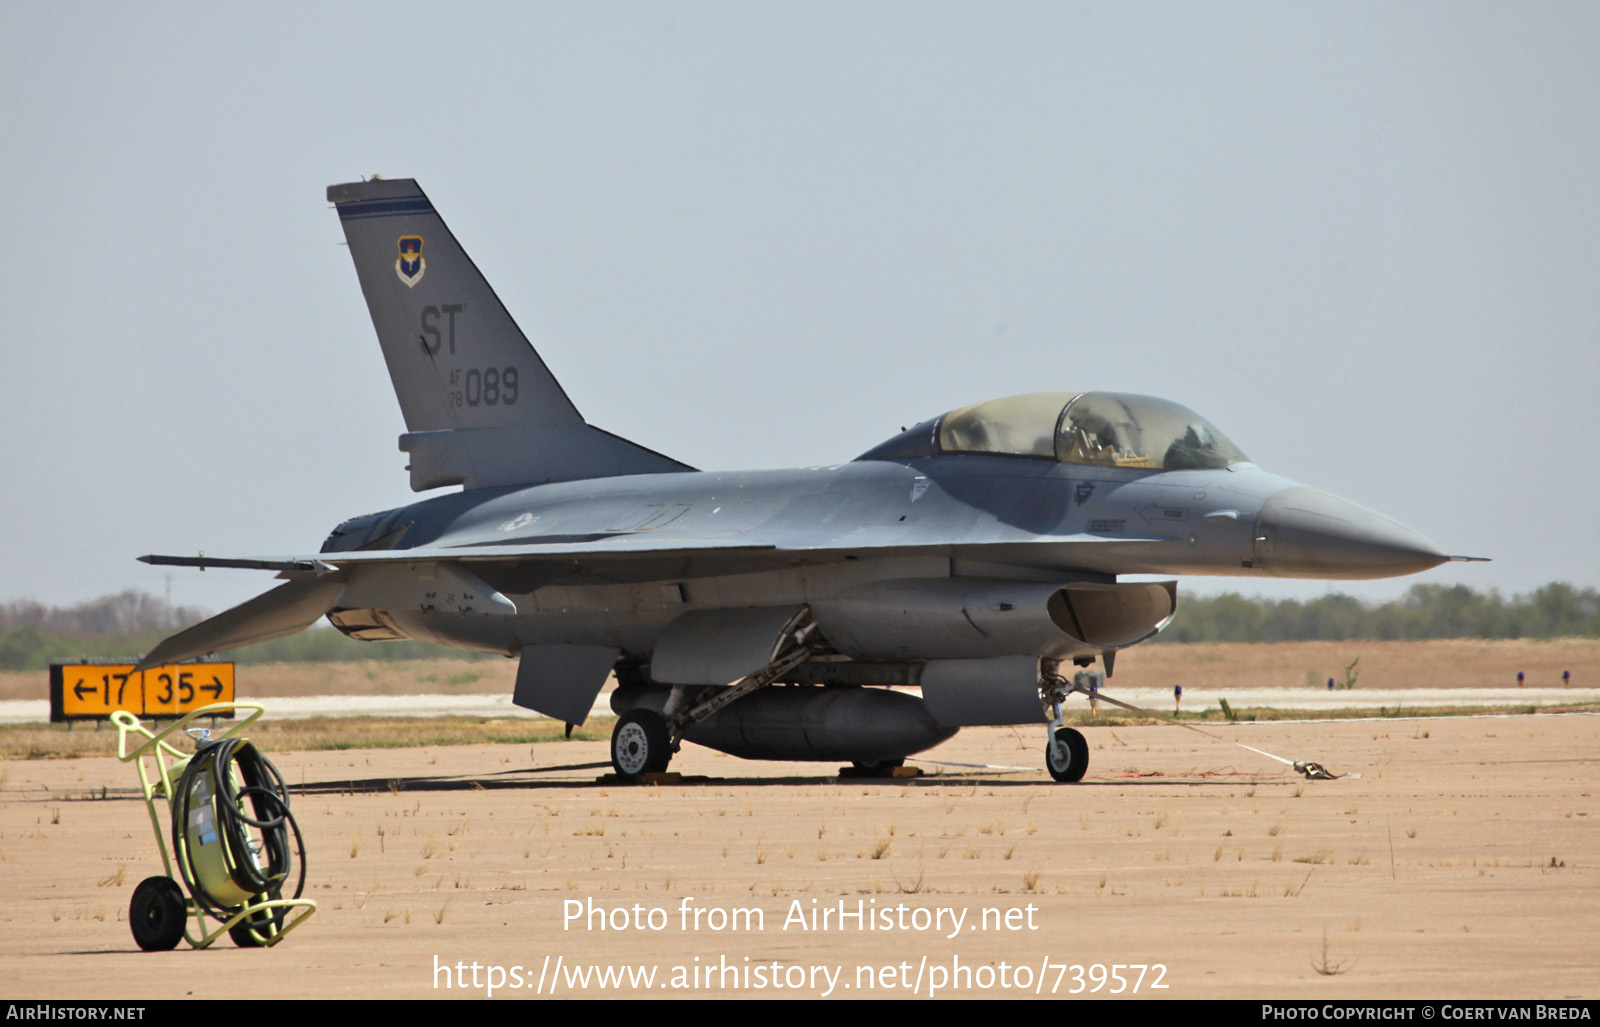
1325,965
1444,663
1458,663
361,677
49,741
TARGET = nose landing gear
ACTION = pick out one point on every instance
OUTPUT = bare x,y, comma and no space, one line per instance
1067,755
1066,751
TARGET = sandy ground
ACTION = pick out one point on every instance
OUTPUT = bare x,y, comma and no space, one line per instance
1460,863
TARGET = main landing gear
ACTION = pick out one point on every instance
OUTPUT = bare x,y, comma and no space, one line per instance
644,741
640,744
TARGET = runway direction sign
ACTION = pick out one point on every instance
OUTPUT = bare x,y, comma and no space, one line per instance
92,691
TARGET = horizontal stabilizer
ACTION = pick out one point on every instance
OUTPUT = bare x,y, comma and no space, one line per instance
283,611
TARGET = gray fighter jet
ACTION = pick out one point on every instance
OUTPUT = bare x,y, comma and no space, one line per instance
975,556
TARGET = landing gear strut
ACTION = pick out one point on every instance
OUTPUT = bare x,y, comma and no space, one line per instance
1066,751
643,740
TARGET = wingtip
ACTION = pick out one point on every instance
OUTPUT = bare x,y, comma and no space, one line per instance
153,658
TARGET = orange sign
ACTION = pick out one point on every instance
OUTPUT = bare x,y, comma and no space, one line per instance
91,691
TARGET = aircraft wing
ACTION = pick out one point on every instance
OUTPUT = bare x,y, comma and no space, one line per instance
613,553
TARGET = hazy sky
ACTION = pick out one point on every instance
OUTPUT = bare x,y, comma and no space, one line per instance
1363,239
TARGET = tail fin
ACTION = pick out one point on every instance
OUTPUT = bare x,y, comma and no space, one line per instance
481,408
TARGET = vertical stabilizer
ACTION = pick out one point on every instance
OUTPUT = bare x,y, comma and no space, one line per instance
456,357
480,406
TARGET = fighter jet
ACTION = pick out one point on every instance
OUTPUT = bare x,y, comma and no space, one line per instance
974,558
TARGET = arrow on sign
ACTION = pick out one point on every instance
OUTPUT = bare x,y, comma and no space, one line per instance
78,688
215,688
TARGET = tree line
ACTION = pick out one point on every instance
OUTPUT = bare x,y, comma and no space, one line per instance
1556,610
127,625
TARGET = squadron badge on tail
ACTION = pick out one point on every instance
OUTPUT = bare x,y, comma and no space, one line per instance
410,266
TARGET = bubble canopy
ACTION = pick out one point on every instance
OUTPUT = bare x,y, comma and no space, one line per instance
1108,429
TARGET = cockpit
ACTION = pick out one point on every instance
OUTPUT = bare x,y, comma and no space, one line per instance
1108,429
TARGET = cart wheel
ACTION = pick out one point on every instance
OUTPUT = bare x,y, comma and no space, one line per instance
267,922
157,914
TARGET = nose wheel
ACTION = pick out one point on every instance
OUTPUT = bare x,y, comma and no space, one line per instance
1067,756
640,745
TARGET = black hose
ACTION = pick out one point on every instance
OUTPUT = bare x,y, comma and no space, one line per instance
269,802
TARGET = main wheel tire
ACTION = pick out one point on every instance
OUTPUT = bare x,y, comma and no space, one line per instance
639,744
267,922
157,914
1068,758
880,768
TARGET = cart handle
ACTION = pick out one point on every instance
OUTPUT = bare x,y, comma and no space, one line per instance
127,724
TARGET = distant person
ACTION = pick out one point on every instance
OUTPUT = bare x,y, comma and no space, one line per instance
1519,679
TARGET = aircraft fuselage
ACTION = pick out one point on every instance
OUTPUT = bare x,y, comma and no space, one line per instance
812,535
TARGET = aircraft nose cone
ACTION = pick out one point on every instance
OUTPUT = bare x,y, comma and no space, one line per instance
1303,532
